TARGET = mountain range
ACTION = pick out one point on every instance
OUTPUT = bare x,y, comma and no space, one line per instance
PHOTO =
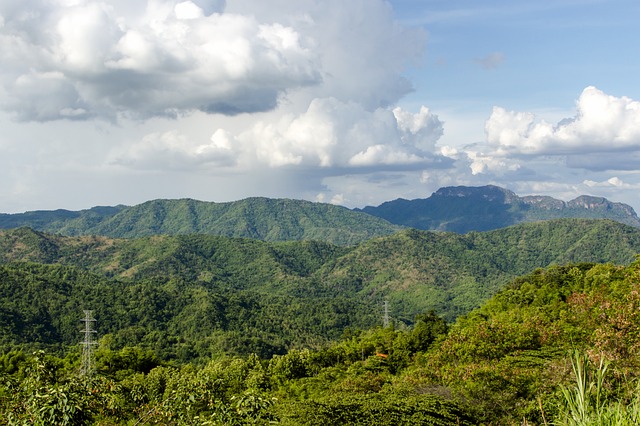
455,209
462,209
257,218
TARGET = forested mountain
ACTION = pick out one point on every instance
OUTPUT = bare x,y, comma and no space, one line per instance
462,209
454,209
211,294
56,220
453,273
259,218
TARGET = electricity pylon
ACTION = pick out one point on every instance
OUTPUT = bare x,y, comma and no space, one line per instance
86,369
385,318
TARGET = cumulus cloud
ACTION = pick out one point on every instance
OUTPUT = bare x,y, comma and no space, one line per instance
173,150
422,129
329,134
110,59
482,163
596,151
173,59
332,133
602,123
363,49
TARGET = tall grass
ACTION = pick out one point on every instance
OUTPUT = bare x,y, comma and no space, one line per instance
585,403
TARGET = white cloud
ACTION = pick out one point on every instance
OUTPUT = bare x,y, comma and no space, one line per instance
481,163
575,156
602,123
276,98
613,182
116,60
336,134
329,135
423,129
171,60
337,199
363,50
304,89
188,10
172,150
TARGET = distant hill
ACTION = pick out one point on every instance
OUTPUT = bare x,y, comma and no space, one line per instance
57,220
258,218
462,209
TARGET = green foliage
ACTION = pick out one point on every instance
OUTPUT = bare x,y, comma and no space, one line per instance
453,274
374,410
459,209
504,363
45,395
127,361
586,402
507,358
40,306
293,365
427,328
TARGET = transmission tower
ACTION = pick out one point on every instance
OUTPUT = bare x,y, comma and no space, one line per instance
86,369
385,318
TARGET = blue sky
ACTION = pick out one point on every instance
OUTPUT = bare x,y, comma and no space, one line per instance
355,103
545,52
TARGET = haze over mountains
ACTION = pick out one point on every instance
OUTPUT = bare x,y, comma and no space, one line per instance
455,209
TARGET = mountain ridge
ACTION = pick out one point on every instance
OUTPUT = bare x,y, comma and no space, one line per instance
463,209
459,209
260,218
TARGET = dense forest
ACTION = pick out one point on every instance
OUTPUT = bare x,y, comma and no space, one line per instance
484,328
193,296
558,346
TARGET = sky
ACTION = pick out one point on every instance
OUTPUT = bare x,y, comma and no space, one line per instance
346,102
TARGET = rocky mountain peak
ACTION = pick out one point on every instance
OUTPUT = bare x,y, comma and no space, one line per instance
488,192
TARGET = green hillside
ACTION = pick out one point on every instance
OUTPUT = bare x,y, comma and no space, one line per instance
453,273
557,346
258,218
39,307
513,356
232,295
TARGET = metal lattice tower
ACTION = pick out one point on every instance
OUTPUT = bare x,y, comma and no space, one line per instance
86,369
385,319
